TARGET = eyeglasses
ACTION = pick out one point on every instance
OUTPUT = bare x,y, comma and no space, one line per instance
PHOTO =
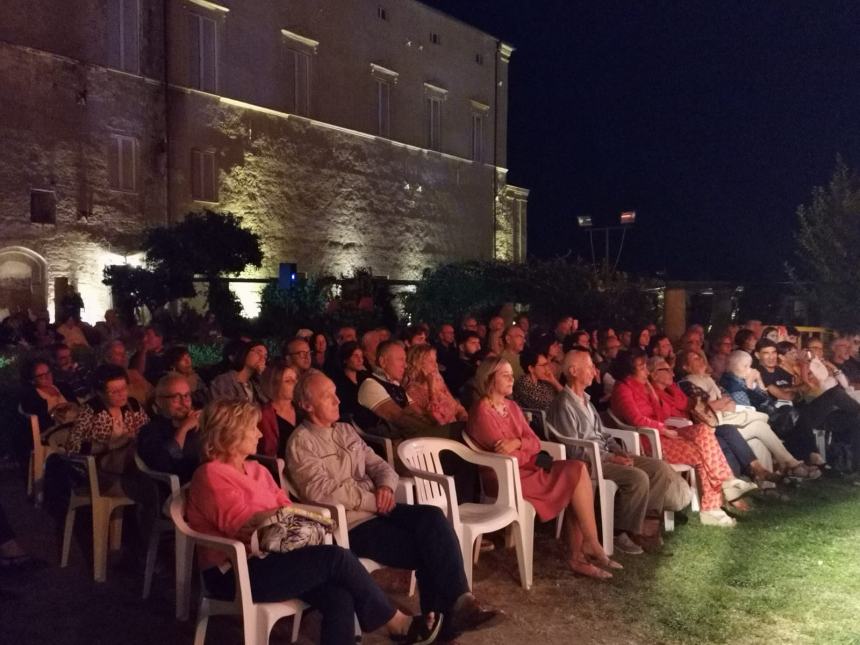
185,396
303,354
663,369
42,374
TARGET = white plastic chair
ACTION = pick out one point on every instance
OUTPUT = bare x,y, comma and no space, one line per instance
605,489
524,540
107,517
38,456
163,524
433,487
258,618
685,470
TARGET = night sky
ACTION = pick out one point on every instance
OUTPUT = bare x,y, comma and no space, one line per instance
713,120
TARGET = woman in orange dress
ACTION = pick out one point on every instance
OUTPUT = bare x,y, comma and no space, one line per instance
497,424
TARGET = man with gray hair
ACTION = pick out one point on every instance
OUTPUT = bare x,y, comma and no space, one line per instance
169,442
646,486
329,463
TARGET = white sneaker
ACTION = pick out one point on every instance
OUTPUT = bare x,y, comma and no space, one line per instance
736,488
624,544
718,518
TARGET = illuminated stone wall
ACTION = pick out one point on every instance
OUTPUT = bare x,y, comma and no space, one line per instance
325,189
56,121
330,200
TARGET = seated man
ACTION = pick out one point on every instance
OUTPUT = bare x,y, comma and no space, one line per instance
169,443
330,464
514,340
69,374
463,369
149,359
297,353
645,485
840,357
385,407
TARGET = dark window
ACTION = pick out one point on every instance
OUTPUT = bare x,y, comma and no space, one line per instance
43,207
435,39
381,13
479,58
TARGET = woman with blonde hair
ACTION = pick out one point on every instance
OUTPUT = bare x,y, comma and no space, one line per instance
230,497
497,424
427,390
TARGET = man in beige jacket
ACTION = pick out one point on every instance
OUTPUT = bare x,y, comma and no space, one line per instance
329,463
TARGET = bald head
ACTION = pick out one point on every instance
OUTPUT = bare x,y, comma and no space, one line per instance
579,368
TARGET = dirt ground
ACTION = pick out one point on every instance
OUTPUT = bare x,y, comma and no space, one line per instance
65,607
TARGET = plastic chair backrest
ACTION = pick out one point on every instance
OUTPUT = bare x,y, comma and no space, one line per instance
424,455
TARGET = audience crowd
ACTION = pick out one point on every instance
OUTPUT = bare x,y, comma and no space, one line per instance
743,407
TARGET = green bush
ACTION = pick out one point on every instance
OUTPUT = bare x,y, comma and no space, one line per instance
283,311
546,288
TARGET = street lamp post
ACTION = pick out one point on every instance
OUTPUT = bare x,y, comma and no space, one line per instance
627,219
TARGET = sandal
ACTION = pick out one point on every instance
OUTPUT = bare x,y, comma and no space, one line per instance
419,632
589,570
604,561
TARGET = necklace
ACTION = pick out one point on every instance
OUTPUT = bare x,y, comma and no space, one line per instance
501,408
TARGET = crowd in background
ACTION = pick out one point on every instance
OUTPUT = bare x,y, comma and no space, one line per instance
741,406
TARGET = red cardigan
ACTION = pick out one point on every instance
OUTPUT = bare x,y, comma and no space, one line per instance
639,404
269,427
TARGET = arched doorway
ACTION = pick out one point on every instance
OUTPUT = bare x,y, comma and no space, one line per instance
23,281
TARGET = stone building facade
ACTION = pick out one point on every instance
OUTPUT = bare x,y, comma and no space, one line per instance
345,132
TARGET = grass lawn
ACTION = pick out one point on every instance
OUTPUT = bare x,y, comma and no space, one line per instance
789,573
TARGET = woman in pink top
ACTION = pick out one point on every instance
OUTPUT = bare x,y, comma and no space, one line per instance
635,402
230,497
427,390
497,424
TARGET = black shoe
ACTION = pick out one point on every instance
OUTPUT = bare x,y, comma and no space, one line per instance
419,633
471,616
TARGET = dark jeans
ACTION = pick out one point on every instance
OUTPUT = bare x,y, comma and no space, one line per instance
420,538
735,448
814,415
328,578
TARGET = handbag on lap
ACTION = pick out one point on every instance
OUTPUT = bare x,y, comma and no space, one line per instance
290,528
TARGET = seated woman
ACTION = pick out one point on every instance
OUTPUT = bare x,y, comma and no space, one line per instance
635,402
497,424
353,372
40,396
107,426
278,416
739,456
230,497
750,423
744,385
241,381
319,351
114,353
721,347
745,340
426,389
178,359
537,387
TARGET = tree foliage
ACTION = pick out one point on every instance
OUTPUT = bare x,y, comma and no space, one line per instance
209,244
828,248
547,288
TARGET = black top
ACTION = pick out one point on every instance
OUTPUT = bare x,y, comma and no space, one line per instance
32,403
159,450
778,377
347,392
285,429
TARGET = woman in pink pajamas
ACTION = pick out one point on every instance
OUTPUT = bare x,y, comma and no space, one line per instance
635,402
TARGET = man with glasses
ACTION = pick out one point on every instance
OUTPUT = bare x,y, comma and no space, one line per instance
297,353
169,442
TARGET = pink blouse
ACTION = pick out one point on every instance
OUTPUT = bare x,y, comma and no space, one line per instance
549,492
435,400
221,500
